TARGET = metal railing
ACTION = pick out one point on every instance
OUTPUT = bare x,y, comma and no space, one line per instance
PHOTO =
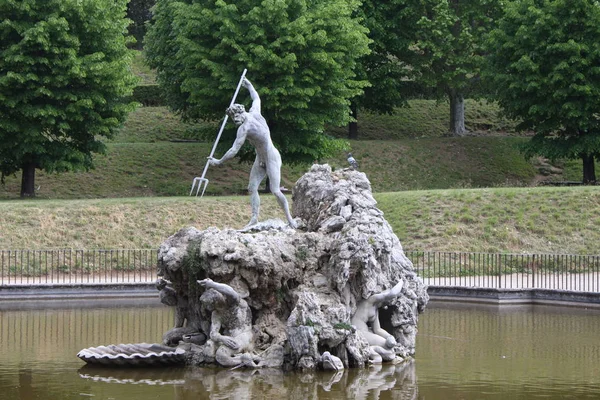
508,271
492,270
69,266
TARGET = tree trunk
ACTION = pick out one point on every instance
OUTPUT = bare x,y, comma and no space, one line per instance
353,126
589,169
457,113
28,179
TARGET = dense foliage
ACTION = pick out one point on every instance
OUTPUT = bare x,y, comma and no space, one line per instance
64,79
138,11
450,38
301,56
148,95
429,44
545,67
390,67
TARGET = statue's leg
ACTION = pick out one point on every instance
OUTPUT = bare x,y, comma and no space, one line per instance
385,354
225,357
374,357
180,317
373,339
274,174
257,174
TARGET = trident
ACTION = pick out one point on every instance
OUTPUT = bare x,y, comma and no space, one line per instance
202,181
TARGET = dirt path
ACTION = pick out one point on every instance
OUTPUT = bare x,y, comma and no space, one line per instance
583,282
81,279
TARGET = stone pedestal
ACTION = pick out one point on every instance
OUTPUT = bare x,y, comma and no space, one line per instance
302,285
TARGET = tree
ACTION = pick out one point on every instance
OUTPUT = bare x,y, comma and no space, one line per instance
431,46
390,66
301,56
450,38
138,11
545,67
64,78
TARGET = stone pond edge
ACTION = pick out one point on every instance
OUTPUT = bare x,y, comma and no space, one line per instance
147,291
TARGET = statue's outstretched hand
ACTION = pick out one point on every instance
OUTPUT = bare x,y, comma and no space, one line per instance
206,283
213,161
246,83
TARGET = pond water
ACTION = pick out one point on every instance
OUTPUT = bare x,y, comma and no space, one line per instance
463,352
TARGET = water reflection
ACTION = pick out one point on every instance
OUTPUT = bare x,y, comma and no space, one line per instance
45,336
369,383
401,381
516,352
205,383
511,343
25,386
133,376
463,352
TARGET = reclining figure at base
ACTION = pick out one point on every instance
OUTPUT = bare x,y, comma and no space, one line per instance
366,321
230,324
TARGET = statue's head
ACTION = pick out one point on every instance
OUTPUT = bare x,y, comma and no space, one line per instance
161,283
212,300
237,113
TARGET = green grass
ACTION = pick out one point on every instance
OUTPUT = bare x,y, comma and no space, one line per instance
440,163
158,124
547,220
429,118
147,158
138,67
139,169
167,169
424,119
533,220
407,157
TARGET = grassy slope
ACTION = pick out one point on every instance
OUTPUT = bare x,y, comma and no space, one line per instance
427,118
557,220
138,67
141,161
167,169
542,219
406,151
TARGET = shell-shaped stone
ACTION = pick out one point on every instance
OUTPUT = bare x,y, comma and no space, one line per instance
331,362
132,354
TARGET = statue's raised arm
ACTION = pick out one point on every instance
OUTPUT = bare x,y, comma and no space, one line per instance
255,108
222,288
378,299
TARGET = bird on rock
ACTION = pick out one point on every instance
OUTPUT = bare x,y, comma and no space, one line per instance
352,161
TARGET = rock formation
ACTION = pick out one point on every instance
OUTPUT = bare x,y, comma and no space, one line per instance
302,286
